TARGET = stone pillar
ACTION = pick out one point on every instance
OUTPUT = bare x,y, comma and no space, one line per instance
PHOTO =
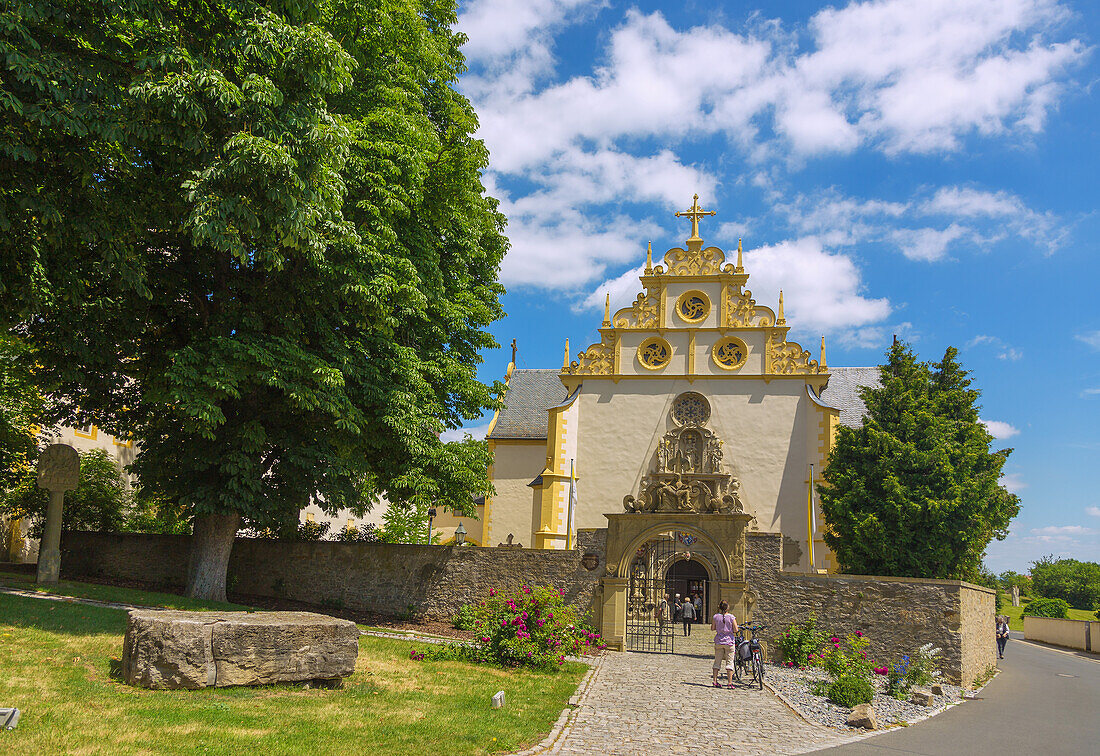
58,472
613,612
1015,595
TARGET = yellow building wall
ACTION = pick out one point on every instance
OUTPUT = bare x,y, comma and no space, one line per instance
514,507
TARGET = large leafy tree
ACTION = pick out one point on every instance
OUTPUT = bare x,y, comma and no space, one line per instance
914,491
254,236
1073,581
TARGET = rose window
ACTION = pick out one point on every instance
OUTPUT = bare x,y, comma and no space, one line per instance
690,409
693,306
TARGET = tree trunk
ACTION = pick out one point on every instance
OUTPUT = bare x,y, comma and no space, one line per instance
211,545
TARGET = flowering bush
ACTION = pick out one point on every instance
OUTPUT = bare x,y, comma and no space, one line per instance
922,669
801,643
896,684
533,627
847,657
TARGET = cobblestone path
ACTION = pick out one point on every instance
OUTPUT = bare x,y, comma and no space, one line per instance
665,703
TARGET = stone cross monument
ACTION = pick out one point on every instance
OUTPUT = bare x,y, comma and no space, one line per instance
1015,595
58,472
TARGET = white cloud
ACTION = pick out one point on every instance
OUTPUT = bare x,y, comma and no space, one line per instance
927,244
1089,392
1013,483
457,434
1011,353
1063,530
823,291
892,75
1092,338
1094,511
999,430
1004,351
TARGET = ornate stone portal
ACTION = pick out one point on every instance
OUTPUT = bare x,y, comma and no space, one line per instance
688,473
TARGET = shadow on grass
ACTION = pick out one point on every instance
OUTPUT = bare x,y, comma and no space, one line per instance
61,617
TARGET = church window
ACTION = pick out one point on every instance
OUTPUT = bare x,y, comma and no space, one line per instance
729,353
693,306
654,353
86,431
690,409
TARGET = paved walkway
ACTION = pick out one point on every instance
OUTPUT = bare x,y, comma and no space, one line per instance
1045,701
665,703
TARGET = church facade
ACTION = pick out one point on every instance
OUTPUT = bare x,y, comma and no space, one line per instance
694,400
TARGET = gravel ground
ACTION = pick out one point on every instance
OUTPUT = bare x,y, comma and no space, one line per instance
794,684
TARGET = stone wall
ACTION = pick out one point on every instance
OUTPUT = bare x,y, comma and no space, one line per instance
1062,632
897,614
394,579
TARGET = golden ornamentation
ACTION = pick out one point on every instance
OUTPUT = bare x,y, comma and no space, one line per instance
598,359
788,358
643,314
742,312
692,306
695,213
694,262
654,353
729,353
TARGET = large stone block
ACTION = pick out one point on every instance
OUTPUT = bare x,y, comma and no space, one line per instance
172,649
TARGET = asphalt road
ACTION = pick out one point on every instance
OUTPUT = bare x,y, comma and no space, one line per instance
1043,703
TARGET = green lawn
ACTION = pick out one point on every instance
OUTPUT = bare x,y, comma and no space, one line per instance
1015,614
56,657
112,594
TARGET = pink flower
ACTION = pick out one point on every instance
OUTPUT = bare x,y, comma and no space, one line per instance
492,591
834,639
859,634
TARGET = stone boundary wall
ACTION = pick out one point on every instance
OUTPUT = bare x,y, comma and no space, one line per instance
392,579
1080,634
897,614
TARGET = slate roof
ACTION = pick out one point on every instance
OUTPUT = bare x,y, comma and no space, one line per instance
843,392
530,393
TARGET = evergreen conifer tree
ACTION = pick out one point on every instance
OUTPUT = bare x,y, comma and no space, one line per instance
914,491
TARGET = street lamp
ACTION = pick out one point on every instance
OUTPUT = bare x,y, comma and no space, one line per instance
431,516
460,535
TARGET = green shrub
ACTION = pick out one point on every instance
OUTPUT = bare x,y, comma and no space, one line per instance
850,690
801,643
1075,582
998,601
923,669
1098,614
819,687
465,617
1047,607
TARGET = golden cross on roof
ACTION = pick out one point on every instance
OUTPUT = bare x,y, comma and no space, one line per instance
695,213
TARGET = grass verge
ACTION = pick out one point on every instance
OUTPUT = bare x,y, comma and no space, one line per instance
56,661
1015,614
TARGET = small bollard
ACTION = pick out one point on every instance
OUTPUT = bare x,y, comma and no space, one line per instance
9,718
498,700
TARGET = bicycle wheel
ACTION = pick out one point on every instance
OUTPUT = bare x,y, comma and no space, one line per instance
736,667
758,668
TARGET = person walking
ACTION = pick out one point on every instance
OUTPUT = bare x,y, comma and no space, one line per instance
687,614
698,603
724,626
663,613
1002,635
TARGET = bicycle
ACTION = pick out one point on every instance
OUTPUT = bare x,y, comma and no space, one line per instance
748,655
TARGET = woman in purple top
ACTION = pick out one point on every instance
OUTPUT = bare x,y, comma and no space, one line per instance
724,626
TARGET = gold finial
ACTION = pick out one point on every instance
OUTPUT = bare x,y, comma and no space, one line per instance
695,213
565,362
822,352
780,320
607,310
740,266
649,260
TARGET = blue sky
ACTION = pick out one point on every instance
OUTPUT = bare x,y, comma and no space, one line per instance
926,168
